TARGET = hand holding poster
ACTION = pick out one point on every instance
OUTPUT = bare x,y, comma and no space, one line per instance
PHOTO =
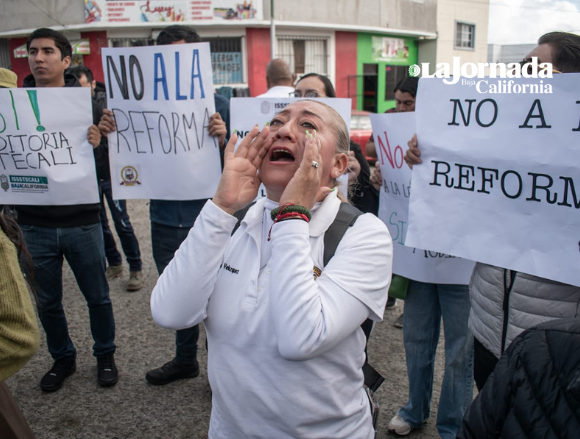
162,99
500,178
45,158
247,112
391,132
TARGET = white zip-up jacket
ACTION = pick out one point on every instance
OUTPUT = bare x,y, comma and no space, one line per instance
285,349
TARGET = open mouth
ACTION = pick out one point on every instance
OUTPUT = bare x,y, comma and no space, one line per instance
281,155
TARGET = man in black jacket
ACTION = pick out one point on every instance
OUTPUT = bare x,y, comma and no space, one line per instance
72,231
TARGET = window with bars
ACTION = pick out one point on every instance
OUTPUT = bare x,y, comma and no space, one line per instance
304,54
226,60
464,35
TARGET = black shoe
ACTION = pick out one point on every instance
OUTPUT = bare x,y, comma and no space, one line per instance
107,374
172,371
391,302
60,371
399,322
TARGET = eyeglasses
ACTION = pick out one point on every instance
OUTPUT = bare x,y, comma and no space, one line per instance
529,67
306,94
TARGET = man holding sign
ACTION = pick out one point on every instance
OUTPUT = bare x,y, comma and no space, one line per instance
72,231
172,219
505,302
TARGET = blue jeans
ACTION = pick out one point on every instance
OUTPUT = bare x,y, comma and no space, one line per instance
425,304
123,227
165,241
84,251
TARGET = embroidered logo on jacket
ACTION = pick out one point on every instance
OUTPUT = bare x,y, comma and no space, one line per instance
230,269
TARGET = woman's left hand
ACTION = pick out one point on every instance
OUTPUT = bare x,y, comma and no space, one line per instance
304,188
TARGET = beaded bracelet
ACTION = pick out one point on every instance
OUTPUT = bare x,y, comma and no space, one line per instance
289,211
288,208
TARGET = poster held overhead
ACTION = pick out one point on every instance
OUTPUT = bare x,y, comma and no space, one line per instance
500,179
162,98
391,132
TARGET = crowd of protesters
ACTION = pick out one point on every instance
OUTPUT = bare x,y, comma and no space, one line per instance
285,321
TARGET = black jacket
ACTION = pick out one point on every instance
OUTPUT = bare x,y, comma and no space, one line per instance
362,195
534,391
63,216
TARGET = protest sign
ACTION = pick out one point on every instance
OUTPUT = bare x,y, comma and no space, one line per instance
391,132
162,98
247,112
45,157
500,178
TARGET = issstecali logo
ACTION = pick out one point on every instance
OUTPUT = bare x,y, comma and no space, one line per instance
491,77
130,176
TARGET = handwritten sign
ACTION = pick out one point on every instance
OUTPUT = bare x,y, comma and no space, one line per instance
391,132
162,98
45,158
247,112
500,179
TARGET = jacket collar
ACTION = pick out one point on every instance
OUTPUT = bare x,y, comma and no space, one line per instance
322,217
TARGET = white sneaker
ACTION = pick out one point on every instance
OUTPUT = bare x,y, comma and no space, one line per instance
399,426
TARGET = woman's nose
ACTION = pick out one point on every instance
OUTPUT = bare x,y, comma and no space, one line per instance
285,132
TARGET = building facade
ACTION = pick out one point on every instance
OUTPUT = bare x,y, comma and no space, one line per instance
365,47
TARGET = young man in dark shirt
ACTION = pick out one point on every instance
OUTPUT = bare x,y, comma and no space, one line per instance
73,232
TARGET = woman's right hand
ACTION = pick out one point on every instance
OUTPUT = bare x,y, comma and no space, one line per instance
413,154
240,180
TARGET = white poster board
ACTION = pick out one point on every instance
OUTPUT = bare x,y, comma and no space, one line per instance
45,157
391,132
162,98
500,179
247,112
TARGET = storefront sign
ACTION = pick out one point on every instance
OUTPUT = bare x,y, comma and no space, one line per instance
79,47
390,49
171,11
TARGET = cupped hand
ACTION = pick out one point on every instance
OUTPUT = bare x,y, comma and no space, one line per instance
304,188
240,180
413,154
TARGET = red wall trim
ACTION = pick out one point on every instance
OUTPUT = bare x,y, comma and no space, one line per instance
258,55
346,63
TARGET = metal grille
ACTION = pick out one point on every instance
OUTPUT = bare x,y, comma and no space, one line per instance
304,53
226,60
465,35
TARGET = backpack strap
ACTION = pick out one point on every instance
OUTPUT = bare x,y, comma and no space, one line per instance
345,218
240,214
